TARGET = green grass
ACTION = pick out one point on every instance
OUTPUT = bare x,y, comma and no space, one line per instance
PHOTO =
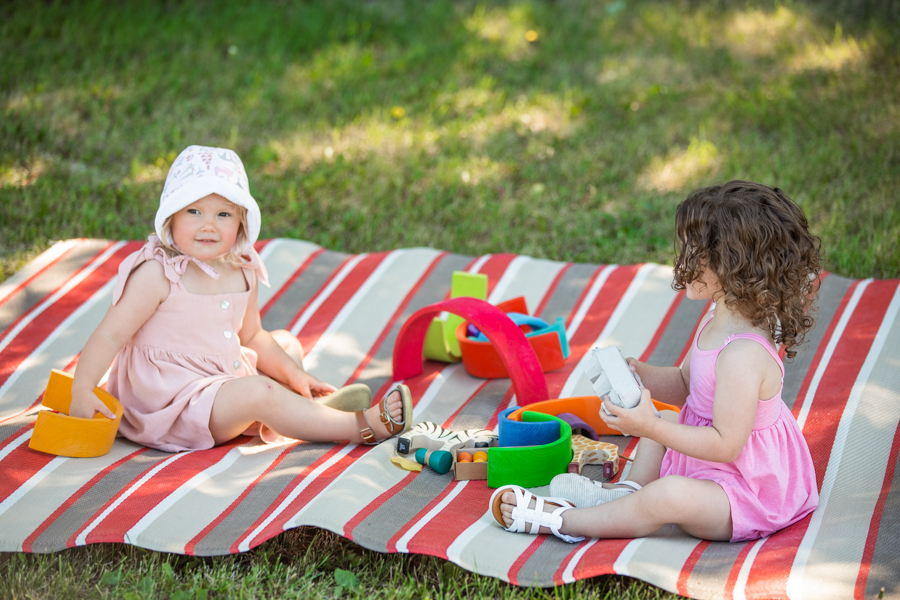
301,563
376,125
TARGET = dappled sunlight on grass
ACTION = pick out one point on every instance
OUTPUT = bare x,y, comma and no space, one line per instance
21,175
509,28
754,33
793,38
682,168
840,53
386,134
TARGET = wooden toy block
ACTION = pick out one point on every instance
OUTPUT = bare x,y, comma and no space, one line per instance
516,354
440,339
471,470
55,432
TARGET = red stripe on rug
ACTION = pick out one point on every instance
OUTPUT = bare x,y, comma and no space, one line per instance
319,292
374,505
552,288
290,281
843,370
20,465
27,282
189,547
89,265
321,481
771,569
494,267
71,500
595,320
599,559
34,333
40,399
513,574
735,571
392,542
676,302
310,333
820,350
582,297
462,512
393,320
872,537
139,502
686,569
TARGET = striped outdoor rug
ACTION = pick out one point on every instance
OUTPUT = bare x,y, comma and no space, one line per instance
347,310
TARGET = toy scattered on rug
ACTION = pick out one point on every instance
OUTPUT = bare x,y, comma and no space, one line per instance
432,444
531,326
406,464
440,340
481,355
55,432
513,353
594,452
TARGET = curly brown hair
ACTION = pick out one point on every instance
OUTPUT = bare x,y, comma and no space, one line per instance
757,242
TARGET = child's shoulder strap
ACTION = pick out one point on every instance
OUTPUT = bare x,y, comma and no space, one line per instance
761,341
173,266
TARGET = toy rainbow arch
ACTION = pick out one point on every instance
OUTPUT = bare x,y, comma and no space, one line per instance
515,352
55,432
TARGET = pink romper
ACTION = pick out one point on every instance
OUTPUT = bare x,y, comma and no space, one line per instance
772,482
168,374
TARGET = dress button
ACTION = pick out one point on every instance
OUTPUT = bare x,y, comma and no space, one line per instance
227,334
224,304
237,365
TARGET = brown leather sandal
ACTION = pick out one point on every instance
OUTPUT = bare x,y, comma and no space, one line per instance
393,427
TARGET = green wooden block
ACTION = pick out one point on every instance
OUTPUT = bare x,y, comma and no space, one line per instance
440,340
468,285
531,466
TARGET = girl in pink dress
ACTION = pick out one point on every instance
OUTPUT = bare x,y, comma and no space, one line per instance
191,363
733,465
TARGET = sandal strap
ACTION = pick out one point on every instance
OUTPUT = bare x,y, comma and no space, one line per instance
537,517
629,483
365,430
393,427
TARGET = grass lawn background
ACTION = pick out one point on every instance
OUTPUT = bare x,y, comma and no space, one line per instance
566,130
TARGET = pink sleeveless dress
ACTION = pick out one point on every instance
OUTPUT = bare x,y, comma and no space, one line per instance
772,483
168,374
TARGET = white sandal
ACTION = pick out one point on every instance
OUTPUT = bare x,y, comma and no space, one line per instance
584,492
523,515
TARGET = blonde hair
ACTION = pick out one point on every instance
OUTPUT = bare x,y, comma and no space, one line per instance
234,255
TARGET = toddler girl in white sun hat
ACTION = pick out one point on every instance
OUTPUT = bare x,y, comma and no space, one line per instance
191,363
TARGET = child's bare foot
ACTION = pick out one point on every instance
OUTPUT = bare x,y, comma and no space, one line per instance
397,405
518,510
508,503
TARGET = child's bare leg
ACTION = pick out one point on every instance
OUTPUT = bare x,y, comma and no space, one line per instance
700,507
290,343
241,402
648,458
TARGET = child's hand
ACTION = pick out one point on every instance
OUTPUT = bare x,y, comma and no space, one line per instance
310,387
630,421
86,404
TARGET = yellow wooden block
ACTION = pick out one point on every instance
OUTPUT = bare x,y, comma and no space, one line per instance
55,432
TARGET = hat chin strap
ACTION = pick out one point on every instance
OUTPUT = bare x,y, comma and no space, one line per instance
180,263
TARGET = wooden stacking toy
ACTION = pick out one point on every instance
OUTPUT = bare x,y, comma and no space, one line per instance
55,432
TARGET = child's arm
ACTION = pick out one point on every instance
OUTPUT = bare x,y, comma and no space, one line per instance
145,290
742,370
667,384
271,357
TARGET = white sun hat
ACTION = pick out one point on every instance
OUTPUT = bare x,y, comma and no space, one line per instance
200,171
